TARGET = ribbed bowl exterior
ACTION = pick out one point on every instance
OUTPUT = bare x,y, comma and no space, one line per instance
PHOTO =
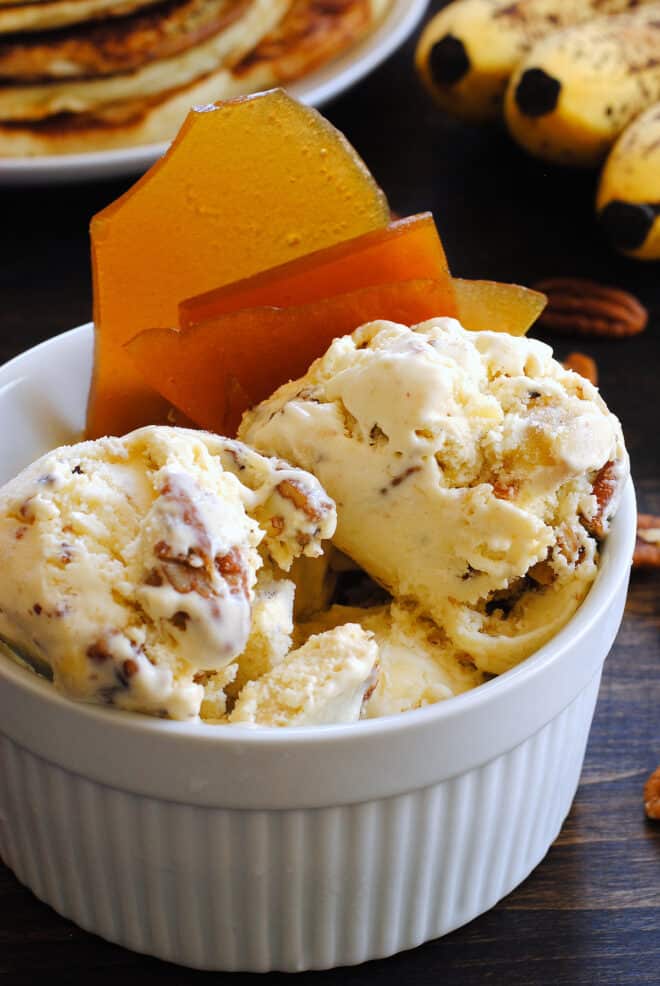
250,890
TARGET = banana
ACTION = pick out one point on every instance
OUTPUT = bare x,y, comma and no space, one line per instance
469,50
628,199
577,89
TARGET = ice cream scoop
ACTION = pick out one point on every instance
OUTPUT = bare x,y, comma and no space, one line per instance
130,564
327,680
472,473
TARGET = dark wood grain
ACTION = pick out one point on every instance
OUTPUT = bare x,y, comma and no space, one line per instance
590,913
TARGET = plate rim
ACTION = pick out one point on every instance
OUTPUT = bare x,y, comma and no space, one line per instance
316,90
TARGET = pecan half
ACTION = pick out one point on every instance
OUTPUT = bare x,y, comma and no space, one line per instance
233,569
652,796
604,488
584,365
182,576
293,491
647,546
577,305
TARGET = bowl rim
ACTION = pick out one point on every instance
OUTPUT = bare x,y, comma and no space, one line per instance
19,687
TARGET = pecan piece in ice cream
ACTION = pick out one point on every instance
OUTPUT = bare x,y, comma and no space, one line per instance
605,489
290,504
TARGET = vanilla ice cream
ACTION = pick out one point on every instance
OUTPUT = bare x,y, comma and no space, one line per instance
327,680
131,566
272,627
418,665
473,474
181,574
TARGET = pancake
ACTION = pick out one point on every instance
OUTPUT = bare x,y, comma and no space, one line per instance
226,46
116,45
313,32
144,122
43,15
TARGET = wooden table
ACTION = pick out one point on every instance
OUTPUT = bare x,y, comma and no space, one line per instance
590,913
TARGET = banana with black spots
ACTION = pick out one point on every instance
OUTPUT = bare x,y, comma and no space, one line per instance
628,199
469,50
578,89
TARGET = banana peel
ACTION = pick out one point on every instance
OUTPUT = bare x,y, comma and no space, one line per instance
577,90
628,198
469,50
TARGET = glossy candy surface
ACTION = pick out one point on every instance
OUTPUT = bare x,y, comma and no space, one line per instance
491,306
407,249
247,185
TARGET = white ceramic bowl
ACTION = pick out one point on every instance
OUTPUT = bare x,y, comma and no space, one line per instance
292,849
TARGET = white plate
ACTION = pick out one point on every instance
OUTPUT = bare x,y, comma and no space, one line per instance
315,89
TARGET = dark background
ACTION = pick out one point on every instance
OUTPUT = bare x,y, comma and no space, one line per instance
590,913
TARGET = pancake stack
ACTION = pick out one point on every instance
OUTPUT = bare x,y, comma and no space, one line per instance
84,75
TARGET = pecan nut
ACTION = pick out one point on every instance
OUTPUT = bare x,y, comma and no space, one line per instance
577,305
647,546
652,795
584,365
303,499
234,571
181,575
604,488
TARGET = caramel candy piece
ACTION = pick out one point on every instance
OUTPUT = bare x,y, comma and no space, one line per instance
492,306
248,184
408,249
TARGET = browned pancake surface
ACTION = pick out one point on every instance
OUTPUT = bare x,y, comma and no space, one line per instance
313,32
47,15
115,46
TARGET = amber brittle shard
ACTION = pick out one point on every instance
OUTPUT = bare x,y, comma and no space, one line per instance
497,307
407,249
247,185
